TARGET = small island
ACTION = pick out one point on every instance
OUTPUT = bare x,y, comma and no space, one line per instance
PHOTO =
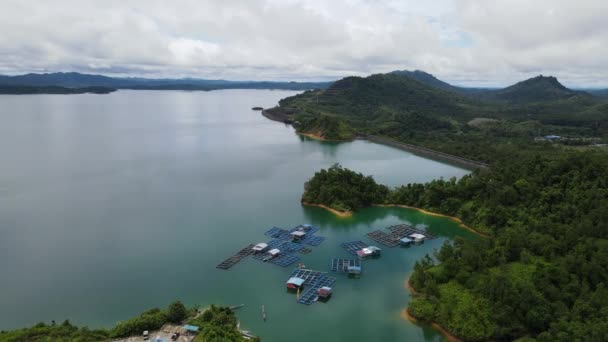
342,191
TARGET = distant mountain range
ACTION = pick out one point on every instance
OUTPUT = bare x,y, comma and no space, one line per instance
78,80
536,89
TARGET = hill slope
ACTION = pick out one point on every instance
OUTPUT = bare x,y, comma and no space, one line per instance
427,79
536,89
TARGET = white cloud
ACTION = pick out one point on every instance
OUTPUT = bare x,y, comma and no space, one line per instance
466,41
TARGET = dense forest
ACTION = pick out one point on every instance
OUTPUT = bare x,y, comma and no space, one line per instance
543,274
215,323
342,189
325,127
545,271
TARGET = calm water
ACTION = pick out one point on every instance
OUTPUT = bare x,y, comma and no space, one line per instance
113,204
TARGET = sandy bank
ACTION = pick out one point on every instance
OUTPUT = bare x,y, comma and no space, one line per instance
318,136
426,212
342,214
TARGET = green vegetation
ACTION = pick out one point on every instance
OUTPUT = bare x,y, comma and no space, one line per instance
342,189
216,324
324,126
64,332
418,109
543,273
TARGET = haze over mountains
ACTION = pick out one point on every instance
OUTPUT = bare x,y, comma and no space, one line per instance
78,80
540,88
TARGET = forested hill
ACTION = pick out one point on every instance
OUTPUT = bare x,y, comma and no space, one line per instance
478,127
430,80
78,80
537,89
543,274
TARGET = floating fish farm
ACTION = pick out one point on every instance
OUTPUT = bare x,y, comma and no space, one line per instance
284,245
313,281
396,233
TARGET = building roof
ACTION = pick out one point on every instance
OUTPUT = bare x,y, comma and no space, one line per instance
354,268
298,233
188,327
406,240
325,290
296,281
417,236
260,246
274,251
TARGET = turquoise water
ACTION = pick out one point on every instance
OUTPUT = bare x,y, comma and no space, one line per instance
112,204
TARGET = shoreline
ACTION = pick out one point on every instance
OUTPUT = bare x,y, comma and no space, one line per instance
431,213
320,138
405,314
426,212
342,214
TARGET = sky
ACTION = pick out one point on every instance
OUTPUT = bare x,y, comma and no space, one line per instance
465,42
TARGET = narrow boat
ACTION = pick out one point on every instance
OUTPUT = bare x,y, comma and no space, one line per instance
263,312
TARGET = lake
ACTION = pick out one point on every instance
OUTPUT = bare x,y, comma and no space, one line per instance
113,204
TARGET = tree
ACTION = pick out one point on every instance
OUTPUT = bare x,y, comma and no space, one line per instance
176,312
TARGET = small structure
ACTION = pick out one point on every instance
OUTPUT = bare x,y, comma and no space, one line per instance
406,242
418,238
552,137
260,247
191,329
298,235
273,253
295,283
324,292
354,270
371,251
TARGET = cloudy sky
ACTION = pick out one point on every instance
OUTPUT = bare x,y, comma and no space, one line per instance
468,42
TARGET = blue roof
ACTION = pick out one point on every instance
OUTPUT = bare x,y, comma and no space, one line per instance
406,240
190,327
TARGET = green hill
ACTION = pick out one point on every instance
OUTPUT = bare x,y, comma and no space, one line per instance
537,89
398,106
428,79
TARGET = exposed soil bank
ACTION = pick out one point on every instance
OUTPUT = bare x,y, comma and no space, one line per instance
342,214
317,136
426,212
